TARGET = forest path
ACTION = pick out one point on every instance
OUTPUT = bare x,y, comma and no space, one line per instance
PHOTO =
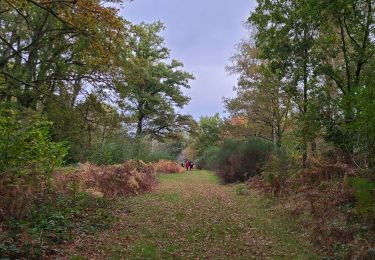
193,216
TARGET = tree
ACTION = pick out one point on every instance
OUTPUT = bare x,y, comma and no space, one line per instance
45,45
286,32
56,56
208,133
261,98
152,87
347,48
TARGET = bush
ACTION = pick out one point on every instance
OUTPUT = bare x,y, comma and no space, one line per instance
158,156
165,166
27,159
238,160
53,222
277,169
242,189
119,149
208,159
364,193
128,178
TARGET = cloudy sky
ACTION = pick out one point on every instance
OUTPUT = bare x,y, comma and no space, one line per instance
202,34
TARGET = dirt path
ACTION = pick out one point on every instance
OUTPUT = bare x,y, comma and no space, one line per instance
193,216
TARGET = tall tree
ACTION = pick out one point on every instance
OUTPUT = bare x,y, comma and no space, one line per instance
347,48
152,88
52,48
285,34
261,98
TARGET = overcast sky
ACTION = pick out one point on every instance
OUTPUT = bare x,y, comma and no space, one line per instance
202,34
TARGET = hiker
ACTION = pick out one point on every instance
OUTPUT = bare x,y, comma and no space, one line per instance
191,164
182,165
187,165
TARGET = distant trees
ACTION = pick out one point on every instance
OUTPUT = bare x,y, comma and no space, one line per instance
208,133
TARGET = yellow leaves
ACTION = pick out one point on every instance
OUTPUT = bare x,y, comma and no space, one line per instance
99,24
103,27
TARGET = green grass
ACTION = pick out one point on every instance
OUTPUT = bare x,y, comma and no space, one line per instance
191,215
193,176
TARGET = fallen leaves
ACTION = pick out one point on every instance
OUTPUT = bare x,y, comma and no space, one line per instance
206,221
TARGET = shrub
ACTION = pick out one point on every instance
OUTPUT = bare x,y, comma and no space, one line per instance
51,223
119,149
165,166
364,193
276,169
238,160
128,178
242,189
27,159
159,156
209,158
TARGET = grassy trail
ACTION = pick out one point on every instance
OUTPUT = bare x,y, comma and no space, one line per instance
193,216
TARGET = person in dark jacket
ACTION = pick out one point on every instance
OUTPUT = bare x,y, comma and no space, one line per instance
191,165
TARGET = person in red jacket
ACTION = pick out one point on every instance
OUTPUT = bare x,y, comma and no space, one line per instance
187,165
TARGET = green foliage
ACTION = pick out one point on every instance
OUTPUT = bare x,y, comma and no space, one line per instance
238,160
152,86
208,160
54,222
242,189
364,192
25,144
27,160
116,150
120,148
208,133
162,155
278,167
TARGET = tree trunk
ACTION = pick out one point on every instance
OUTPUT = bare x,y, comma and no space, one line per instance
141,117
305,89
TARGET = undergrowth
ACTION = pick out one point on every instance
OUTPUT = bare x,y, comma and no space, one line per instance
52,223
78,203
167,166
333,204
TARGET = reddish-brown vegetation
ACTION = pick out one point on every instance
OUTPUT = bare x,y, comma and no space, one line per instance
18,195
165,166
325,204
131,177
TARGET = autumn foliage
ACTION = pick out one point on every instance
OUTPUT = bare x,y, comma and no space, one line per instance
165,166
327,194
132,177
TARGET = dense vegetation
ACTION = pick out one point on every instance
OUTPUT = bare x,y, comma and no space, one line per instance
305,99
79,83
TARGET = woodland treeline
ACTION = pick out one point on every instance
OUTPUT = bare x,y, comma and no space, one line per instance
79,83
306,82
302,123
101,81
306,77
